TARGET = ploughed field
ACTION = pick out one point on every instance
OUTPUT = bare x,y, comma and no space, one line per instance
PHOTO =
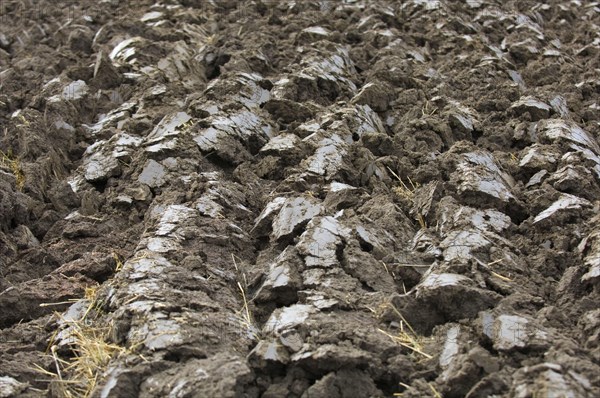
353,198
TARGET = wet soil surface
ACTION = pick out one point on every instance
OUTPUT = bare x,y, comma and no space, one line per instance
300,198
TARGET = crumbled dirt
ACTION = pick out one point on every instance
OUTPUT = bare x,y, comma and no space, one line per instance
300,198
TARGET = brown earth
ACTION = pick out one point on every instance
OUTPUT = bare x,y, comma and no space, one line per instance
299,198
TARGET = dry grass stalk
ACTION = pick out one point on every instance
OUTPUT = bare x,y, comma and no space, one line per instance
77,376
408,193
404,191
12,163
435,392
245,315
406,337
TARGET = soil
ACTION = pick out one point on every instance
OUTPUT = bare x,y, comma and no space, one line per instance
300,198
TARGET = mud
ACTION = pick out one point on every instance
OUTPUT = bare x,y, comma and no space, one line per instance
300,198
